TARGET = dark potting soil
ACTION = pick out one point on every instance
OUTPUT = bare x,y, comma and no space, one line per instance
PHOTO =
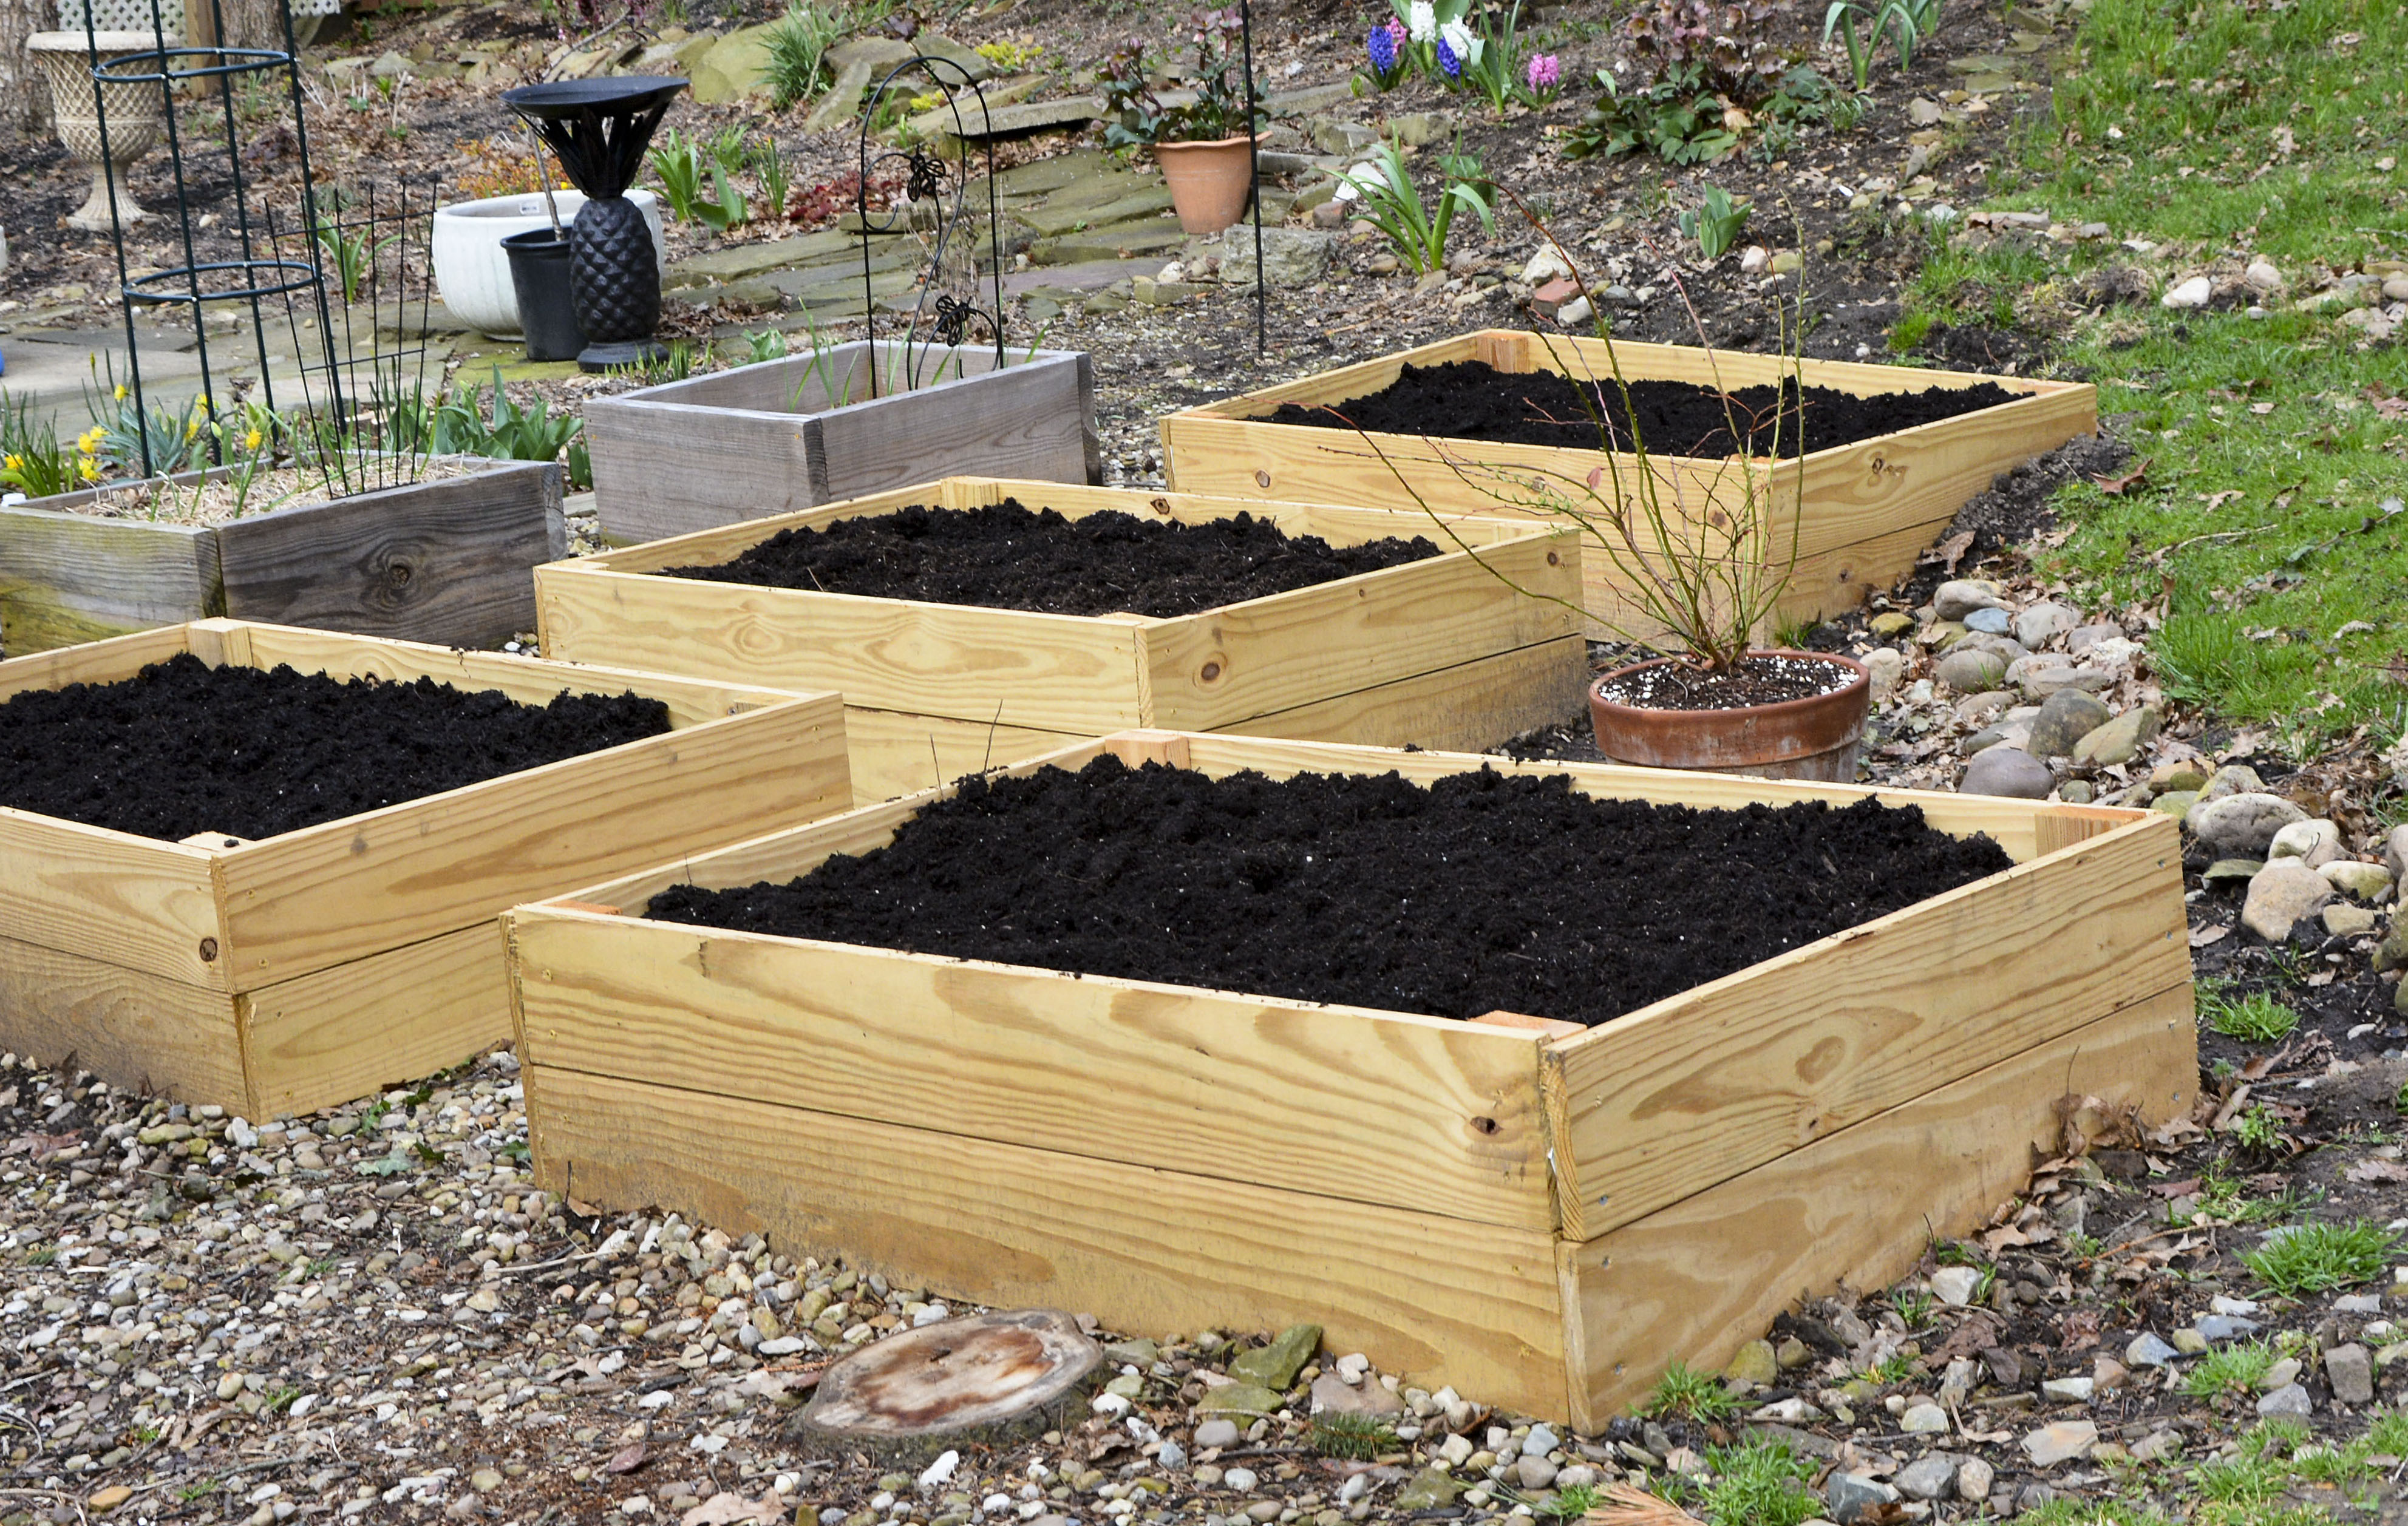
1769,679
1470,400
1005,557
183,748
1484,891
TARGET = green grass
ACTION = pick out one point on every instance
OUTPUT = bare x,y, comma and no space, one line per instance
2318,1258
1761,1483
2229,1371
2257,1018
1692,1394
2291,618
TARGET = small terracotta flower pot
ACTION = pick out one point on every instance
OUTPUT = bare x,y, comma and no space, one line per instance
1811,739
1208,181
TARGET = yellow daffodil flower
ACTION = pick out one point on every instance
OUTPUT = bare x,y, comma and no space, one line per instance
120,392
250,441
88,469
15,463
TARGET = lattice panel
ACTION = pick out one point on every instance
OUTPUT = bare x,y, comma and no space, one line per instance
135,15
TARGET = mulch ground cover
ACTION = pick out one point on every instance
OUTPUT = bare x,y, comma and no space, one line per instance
183,748
1481,893
1007,556
1470,400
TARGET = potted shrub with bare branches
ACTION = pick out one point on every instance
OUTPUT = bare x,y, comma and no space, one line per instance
1701,562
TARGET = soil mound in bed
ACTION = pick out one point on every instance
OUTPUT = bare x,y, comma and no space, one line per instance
1470,400
1005,557
183,748
1484,891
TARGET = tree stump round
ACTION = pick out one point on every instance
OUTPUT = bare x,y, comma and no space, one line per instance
985,1379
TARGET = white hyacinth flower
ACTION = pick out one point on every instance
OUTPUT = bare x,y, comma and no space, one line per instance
1421,21
1358,179
1461,41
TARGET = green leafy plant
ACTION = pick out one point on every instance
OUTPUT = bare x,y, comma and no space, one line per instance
770,166
1675,118
764,345
465,426
1495,69
1010,56
681,164
1570,1504
1913,1307
1134,115
798,65
1357,1438
353,254
32,461
1715,222
2256,1018
1759,1484
1723,47
1692,1394
1385,198
2258,1130
1861,28
2320,1257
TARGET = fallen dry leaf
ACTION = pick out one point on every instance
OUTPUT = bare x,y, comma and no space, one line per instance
2372,1171
725,1509
628,1459
2118,486
2201,936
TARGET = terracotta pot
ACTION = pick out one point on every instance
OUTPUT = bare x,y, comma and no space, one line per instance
1812,738
1208,181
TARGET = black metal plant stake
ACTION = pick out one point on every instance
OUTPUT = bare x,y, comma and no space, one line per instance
1254,175
950,321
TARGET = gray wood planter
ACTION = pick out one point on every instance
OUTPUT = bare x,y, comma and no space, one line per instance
786,435
450,562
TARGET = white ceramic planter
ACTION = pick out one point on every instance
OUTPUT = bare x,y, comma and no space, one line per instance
472,271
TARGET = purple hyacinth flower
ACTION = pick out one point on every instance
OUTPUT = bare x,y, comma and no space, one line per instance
1383,44
1447,61
1546,72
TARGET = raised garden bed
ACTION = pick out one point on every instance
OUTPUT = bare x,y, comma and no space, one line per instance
444,560
1434,650
791,433
1535,1211
1869,504
289,972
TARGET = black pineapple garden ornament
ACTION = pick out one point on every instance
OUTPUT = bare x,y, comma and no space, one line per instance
599,129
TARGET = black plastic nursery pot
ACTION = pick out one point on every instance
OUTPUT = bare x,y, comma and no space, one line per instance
539,262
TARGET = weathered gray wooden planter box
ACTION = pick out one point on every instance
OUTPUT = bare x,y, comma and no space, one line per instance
793,433
449,562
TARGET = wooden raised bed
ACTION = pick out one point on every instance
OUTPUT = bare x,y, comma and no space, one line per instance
446,561
286,974
1869,507
1541,1215
791,433
1437,652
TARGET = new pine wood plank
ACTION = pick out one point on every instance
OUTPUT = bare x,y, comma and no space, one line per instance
1280,1093
1703,1086
450,560
163,1037
66,579
349,1030
1263,656
1048,671
724,543
312,899
1858,1208
894,753
532,680
1469,707
150,906
1145,1249
95,662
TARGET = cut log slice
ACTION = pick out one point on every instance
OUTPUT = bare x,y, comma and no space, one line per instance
985,1378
